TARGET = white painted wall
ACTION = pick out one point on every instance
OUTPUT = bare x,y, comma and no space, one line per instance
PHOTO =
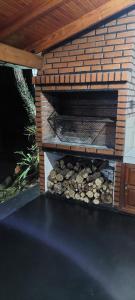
129,152
49,162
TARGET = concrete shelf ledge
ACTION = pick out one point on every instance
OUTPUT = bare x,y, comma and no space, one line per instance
11,205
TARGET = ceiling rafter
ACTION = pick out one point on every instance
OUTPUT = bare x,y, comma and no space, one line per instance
30,13
91,18
12,55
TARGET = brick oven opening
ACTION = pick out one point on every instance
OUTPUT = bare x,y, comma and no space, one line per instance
82,117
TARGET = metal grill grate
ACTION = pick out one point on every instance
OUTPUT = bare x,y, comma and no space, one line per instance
83,130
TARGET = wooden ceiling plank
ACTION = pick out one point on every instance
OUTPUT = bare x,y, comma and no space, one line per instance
28,15
12,55
104,11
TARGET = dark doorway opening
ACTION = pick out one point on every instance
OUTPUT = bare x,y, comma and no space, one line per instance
13,120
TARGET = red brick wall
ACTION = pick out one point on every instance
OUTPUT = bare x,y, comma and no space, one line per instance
107,48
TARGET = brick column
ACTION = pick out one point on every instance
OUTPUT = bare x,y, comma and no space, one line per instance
38,102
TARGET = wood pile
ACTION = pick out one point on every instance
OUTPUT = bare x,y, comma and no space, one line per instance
81,179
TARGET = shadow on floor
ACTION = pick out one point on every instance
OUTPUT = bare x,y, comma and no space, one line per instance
7,166
52,250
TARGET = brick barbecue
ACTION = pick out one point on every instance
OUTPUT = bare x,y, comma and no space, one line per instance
99,61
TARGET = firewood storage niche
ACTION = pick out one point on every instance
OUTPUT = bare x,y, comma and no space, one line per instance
80,178
82,117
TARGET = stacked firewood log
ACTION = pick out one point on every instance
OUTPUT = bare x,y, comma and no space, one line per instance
81,179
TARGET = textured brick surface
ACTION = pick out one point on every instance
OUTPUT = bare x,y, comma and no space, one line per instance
104,47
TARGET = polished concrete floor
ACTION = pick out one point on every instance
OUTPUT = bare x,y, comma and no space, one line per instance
52,250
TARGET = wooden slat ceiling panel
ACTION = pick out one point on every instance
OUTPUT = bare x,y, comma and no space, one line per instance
25,22
66,12
10,8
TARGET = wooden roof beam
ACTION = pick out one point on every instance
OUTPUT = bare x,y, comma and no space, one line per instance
19,57
91,18
30,13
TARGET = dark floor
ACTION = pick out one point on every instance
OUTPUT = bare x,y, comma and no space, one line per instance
52,250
